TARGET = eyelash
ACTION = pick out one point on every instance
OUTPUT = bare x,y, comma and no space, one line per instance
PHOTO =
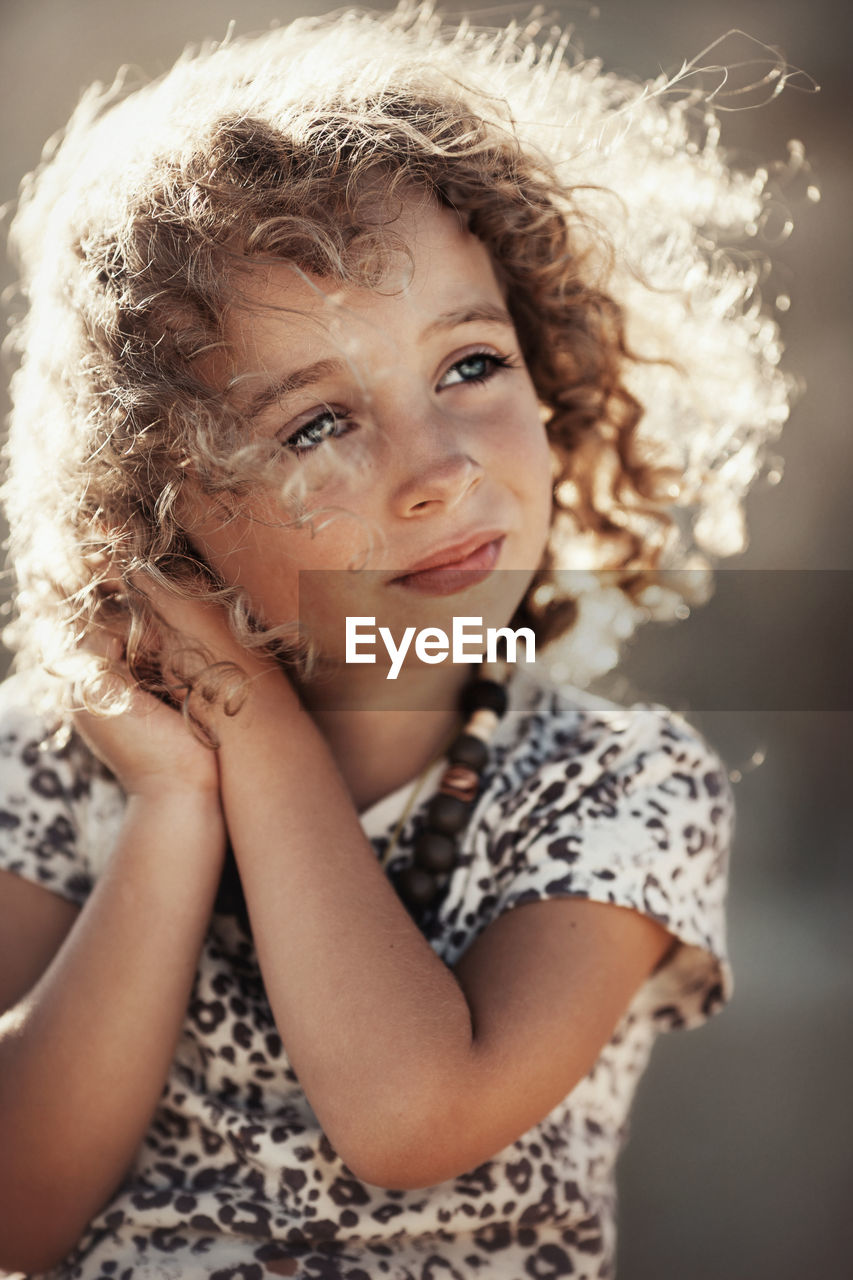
494,364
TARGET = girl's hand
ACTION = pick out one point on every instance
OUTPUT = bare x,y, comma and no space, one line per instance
201,627
150,748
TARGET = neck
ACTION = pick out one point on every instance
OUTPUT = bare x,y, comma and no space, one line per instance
382,738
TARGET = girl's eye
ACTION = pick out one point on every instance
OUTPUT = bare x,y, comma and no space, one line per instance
478,366
326,426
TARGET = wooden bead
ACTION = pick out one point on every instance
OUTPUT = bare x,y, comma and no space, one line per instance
460,781
482,725
417,887
435,852
469,750
484,695
447,814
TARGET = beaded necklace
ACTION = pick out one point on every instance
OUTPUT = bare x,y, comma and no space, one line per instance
483,703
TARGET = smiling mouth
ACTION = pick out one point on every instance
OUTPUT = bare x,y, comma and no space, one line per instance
456,575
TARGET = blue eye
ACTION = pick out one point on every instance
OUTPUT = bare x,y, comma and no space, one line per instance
326,426
478,366
330,424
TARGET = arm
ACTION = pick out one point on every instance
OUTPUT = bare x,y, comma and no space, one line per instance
33,924
416,1073
84,1055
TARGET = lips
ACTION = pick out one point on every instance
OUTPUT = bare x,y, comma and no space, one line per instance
454,554
440,576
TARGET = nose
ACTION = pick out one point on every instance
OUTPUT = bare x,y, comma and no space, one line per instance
437,476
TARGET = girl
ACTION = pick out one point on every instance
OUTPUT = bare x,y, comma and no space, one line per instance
308,971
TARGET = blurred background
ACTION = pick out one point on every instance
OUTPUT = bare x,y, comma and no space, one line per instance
739,1165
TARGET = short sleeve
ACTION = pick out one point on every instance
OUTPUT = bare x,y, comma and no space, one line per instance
637,812
41,786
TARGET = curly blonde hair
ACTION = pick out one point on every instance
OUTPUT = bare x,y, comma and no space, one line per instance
603,203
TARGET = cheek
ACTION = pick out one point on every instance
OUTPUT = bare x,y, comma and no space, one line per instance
536,482
251,554
293,574
526,438
290,575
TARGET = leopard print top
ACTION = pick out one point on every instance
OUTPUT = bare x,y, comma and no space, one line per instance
236,1181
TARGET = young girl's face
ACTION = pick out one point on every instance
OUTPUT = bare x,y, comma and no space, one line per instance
411,427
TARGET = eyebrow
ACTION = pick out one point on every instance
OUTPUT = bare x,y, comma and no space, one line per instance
291,382
483,313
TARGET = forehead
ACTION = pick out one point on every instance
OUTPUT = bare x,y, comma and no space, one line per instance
432,265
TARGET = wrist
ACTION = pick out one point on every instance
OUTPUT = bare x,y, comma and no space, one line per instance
174,834
270,699
175,797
